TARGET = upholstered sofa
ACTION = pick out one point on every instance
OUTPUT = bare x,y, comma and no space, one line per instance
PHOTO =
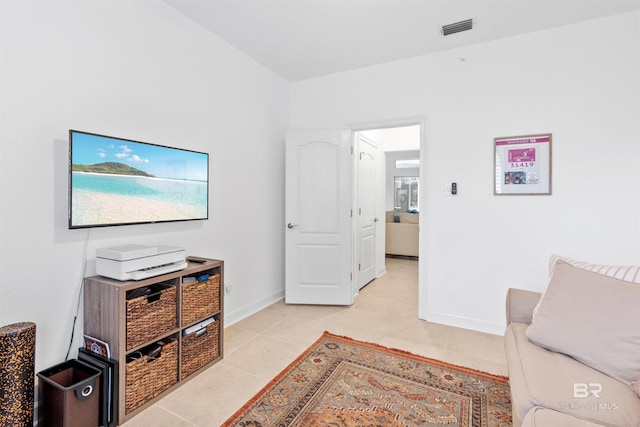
401,237
573,353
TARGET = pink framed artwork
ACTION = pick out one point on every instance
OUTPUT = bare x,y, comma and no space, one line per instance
522,165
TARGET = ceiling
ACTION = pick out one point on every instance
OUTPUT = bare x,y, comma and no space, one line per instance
302,39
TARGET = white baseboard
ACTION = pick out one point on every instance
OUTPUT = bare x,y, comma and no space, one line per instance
466,323
243,312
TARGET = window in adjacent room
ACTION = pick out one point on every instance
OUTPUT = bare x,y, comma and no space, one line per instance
406,194
410,163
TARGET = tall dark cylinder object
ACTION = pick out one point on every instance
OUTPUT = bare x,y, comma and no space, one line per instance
17,367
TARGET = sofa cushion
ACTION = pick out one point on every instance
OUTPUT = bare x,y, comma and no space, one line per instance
543,417
593,318
409,218
635,386
401,239
539,377
389,216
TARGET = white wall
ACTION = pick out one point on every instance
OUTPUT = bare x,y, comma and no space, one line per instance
580,82
141,70
138,70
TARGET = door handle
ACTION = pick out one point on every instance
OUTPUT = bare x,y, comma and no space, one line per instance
291,225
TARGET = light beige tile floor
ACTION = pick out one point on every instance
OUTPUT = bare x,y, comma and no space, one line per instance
260,346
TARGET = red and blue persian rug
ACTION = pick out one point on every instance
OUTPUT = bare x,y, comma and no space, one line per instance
342,382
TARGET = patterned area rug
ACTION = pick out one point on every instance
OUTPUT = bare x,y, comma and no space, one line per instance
342,382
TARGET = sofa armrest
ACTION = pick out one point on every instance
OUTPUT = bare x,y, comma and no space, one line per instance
520,305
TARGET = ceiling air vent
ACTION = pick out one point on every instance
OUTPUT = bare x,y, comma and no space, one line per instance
457,27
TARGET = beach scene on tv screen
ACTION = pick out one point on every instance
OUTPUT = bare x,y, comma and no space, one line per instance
115,181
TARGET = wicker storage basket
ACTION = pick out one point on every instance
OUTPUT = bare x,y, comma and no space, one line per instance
199,348
151,315
148,377
200,299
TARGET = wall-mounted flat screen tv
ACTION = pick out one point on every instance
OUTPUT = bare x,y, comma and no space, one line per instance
116,181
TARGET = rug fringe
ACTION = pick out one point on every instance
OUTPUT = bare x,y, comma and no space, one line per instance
486,375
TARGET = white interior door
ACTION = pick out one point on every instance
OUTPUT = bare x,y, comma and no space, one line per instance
318,243
366,216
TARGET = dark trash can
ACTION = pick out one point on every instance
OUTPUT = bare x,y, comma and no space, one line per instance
70,395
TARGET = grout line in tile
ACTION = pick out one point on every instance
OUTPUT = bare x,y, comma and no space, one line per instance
159,406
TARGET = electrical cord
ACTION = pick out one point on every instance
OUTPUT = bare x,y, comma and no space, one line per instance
81,288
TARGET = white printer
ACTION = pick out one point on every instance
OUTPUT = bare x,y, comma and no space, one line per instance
137,262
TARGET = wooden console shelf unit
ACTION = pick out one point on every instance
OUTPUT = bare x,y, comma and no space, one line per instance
171,313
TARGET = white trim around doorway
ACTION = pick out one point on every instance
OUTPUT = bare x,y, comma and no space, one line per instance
422,246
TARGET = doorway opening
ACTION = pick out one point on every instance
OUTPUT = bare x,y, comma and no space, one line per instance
395,190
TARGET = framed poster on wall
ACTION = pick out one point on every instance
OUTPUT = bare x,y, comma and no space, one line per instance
522,165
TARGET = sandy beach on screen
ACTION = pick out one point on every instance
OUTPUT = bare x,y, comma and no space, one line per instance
155,178
91,207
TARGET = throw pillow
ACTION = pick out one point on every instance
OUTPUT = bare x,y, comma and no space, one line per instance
628,273
592,318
